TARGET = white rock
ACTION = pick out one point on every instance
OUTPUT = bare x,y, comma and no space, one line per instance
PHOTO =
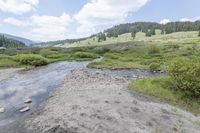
2,110
28,101
25,109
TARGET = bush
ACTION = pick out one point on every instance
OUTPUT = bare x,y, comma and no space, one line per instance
185,73
31,59
47,52
100,50
85,55
153,49
154,67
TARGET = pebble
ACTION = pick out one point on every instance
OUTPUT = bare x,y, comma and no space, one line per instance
25,109
2,110
28,101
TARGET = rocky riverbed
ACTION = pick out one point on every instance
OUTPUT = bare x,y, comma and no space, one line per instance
98,103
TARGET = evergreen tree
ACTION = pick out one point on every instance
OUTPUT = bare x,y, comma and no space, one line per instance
133,34
148,34
10,43
199,32
101,37
163,31
153,31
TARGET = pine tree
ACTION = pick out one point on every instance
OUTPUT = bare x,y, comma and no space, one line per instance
133,34
199,32
148,34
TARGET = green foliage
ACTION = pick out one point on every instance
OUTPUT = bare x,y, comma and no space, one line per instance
148,34
85,55
160,87
133,33
31,59
100,50
101,37
153,49
185,73
154,67
47,52
9,43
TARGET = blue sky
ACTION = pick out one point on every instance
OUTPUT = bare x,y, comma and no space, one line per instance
47,20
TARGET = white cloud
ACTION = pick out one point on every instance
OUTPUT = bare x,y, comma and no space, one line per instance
14,21
44,28
165,21
99,13
18,6
50,27
190,19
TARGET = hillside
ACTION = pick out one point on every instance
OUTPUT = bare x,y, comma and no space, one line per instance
27,42
177,37
10,43
126,32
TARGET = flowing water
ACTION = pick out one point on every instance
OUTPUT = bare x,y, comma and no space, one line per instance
39,83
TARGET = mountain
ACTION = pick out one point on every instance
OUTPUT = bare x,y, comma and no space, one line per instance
27,42
10,43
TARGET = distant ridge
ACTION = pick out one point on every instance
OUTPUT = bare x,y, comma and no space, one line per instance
27,42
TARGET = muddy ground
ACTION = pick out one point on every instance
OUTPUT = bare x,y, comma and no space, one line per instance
98,103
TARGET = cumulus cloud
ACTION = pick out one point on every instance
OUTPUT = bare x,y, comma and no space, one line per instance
14,21
165,21
190,19
44,28
99,13
50,27
18,6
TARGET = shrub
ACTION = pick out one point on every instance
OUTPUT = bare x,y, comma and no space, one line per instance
185,73
153,49
154,67
100,50
31,59
85,55
47,52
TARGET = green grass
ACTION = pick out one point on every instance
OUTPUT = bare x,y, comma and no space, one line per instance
42,56
175,38
162,89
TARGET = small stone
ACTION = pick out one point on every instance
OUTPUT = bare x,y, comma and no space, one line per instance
2,110
162,71
106,101
28,101
25,109
134,102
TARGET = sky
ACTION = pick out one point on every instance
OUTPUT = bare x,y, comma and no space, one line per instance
49,20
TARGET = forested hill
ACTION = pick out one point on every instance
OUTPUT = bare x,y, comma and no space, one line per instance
10,43
27,42
150,27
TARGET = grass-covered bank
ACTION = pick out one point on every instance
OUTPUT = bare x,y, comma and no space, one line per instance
144,55
23,57
162,88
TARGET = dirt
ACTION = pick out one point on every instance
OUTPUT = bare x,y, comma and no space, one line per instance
98,103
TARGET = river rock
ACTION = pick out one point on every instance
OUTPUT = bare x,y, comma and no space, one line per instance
25,109
2,110
28,101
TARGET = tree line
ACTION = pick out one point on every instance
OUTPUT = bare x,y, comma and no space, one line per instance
10,43
150,27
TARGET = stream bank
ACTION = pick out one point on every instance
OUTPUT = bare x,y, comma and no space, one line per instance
89,102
